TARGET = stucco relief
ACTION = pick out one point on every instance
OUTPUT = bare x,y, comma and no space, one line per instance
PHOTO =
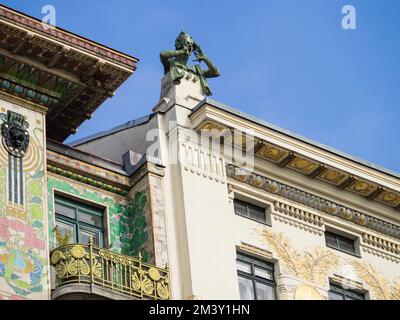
313,265
379,287
316,265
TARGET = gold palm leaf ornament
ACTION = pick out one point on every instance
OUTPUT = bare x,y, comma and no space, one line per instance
379,286
312,265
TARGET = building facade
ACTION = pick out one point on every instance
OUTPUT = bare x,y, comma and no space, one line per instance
197,200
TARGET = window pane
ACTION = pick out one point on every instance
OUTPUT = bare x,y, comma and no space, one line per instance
335,296
240,208
243,266
65,211
331,240
264,292
257,213
246,289
266,274
90,219
84,236
65,233
346,245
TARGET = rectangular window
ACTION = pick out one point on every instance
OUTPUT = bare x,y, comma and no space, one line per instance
339,242
79,220
256,278
338,293
251,211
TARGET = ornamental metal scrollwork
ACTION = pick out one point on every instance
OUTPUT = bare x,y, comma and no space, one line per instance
162,290
15,133
147,285
82,263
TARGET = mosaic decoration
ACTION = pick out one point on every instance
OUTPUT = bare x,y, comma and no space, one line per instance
134,226
23,252
126,221
15,135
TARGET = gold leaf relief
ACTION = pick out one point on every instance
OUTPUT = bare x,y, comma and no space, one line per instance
314,265
317,264
395,291
379,286
289,257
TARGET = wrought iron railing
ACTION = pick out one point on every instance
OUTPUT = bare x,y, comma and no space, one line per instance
78,263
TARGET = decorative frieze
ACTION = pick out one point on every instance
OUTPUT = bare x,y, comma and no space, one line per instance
90,181
258,251
298,218
58,160
381,243
381,247
298,213
312,201
203,163
347,282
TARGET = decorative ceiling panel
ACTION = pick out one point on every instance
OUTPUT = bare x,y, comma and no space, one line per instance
272,153
303,165
333,176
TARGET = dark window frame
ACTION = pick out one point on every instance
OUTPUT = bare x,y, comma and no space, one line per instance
260,264
338,238
76,223
346,293
251,205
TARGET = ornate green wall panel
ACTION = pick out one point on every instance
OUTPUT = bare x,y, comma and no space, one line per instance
128,227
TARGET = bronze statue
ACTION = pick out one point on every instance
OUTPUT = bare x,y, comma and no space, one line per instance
176,62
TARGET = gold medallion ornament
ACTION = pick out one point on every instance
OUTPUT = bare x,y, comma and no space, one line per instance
78,252
154,274
302,164
55,257
331,175
306,292
271,152
389,197
360,186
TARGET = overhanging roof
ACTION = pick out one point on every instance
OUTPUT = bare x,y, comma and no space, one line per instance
65,74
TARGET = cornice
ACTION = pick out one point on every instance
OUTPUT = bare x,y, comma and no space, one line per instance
313,201
66,37
84,179
310,159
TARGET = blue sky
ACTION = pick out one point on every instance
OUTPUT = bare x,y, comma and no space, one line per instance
288,62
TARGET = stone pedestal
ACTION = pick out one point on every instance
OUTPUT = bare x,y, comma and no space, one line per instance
188,93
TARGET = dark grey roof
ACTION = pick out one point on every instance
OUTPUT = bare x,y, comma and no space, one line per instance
84,156
239,113
127,125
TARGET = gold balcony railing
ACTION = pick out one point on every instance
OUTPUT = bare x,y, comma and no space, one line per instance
88,264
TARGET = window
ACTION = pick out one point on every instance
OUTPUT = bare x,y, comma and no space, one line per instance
256,278
251,211
338,293
339,242
81,221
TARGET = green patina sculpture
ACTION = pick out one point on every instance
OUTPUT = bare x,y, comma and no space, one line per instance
176,62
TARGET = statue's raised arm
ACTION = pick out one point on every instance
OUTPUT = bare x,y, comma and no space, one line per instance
176,62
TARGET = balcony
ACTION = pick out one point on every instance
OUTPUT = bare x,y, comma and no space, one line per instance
91,273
